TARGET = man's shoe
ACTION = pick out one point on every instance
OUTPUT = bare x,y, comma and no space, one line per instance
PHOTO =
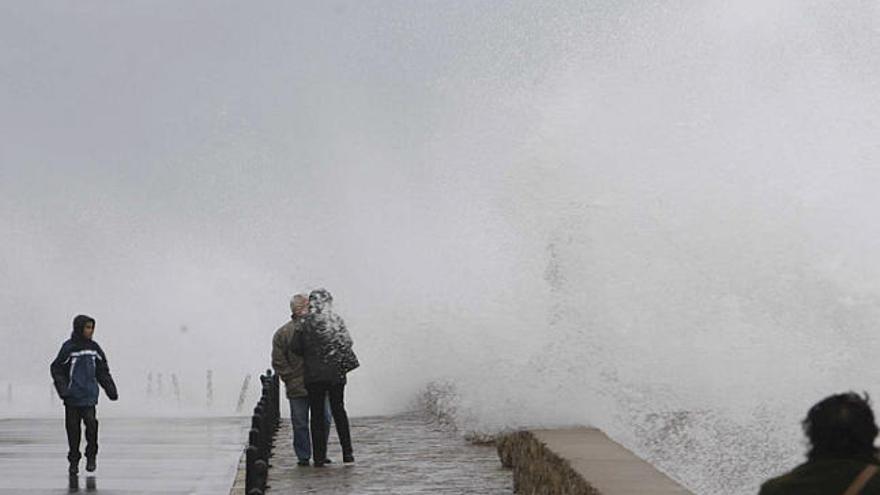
91,465
302,462
320,463
347,458
74,467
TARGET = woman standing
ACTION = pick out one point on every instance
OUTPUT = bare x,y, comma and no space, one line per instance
326,348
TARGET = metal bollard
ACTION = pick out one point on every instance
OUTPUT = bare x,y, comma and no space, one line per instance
262,469
250,473
254,437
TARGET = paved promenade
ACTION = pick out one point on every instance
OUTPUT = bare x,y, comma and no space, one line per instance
144,456
396,455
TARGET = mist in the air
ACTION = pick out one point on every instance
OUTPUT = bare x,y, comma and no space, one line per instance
653,218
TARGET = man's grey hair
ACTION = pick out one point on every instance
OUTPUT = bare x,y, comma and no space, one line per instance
298,300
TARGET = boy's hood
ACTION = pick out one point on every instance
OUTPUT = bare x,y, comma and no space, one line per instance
79,324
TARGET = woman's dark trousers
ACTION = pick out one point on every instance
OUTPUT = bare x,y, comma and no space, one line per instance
317,393
72,418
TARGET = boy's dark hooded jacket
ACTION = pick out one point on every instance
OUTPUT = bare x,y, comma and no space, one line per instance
80,366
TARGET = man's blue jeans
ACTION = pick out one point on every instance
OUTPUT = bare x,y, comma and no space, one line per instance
299,417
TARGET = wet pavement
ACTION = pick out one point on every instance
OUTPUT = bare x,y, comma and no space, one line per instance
145,456
401,455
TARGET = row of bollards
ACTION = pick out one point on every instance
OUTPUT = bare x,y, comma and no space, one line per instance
264,424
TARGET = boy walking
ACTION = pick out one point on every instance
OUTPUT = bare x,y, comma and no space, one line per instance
80,366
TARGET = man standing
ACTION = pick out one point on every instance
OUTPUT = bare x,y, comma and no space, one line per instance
289,367
80,366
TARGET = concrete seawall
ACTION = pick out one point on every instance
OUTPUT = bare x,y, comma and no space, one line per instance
579,461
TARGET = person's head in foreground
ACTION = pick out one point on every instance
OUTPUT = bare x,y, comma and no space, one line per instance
839,426
841,458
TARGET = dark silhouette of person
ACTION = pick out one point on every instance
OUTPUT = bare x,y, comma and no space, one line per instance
842,458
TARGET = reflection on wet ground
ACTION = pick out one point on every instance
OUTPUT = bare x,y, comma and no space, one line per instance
156,455
400,454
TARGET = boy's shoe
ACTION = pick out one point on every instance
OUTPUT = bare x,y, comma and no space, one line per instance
302,462
320,463
91,465
73,468
347,458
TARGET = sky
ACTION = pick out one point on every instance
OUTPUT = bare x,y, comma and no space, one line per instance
583,212
169,166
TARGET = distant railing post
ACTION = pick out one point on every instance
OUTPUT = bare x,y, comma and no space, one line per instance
209,388
243,393
176,384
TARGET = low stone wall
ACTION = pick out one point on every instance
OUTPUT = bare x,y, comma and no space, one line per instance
537,470
578,461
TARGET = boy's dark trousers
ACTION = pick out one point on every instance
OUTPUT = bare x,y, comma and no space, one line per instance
73,417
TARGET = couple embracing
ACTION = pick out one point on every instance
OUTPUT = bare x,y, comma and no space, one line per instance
312,353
